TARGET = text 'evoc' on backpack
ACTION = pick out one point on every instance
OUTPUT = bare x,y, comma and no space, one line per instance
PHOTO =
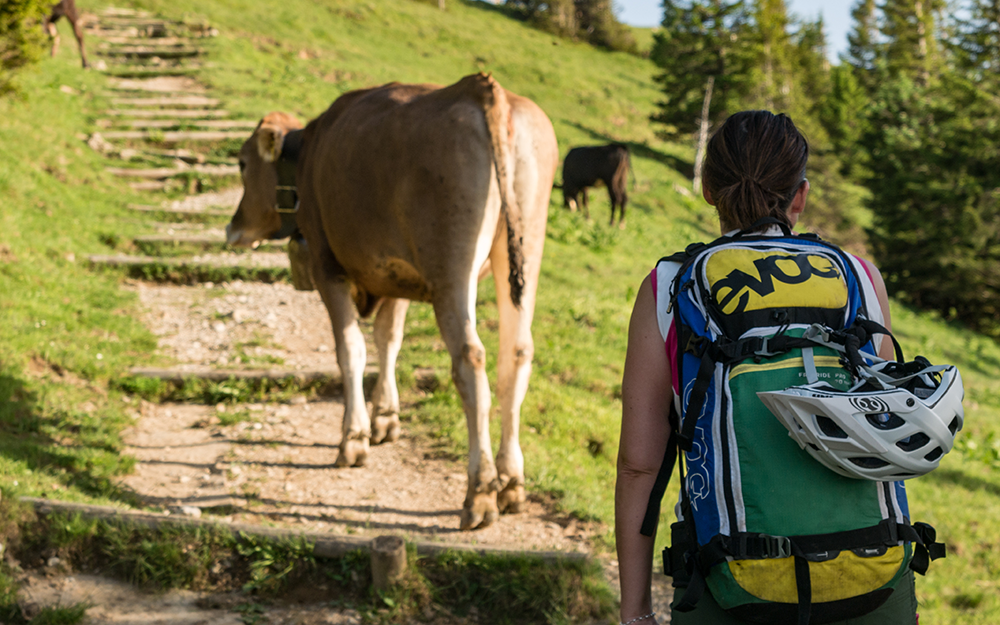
773,534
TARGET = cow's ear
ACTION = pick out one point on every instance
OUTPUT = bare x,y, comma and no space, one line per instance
269,140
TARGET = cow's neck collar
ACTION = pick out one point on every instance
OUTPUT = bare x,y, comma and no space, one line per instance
287,195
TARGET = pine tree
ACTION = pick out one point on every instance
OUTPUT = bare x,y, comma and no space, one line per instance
863,50
842,113
935,181
705,53
911,46
977,42
774,84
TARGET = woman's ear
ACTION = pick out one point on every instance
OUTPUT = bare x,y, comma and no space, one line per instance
798,202
705,193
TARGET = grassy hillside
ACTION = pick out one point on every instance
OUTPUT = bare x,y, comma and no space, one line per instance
66,331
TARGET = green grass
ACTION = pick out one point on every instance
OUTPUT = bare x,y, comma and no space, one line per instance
500,588
63,410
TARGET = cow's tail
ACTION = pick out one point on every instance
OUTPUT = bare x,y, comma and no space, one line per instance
496,108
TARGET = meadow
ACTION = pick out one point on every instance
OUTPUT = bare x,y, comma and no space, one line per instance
67,332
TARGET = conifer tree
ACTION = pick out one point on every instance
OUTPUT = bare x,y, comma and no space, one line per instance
705,54
977,42
863,50
911,46
935,184
774,82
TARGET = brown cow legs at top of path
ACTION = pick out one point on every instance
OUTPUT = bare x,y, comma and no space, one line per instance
67,9
406,192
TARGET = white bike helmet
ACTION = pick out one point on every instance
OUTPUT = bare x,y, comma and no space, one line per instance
894,433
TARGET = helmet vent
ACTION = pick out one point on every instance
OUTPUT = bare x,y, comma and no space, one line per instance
828,427
953,426
912,443
934,455
869,463
885,420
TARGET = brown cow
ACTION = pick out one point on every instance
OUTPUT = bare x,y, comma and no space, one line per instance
67,9
414,192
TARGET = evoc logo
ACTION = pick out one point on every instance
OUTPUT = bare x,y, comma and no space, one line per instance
786,269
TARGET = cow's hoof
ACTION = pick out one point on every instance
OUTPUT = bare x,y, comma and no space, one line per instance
385,429
353,453
481,513
511,499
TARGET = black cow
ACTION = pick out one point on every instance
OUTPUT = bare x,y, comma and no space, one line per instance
67,9
584,166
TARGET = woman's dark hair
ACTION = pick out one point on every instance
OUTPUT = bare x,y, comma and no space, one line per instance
753,166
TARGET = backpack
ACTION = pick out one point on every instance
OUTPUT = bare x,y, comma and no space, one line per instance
773,534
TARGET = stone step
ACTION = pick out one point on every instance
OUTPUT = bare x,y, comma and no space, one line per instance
170,228
142,71
303,377
137,21
162,173
182,85
188,156
142,52
148,185
182,113
140,41
123,12
176,137
267,267
186,100
147,208
216,238
178,123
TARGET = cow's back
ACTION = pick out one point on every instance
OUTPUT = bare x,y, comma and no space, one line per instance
400,180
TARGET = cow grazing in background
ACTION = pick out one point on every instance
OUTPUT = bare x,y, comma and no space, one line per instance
585,166
414,192
67,9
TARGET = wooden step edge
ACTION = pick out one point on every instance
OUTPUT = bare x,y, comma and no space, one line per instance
177,101
146,208
325,545
164,172
182,113
204,240
176,136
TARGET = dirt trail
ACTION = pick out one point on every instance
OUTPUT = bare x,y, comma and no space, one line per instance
277,465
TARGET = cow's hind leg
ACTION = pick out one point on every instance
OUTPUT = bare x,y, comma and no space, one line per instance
385,398
456,317
513,371
351,355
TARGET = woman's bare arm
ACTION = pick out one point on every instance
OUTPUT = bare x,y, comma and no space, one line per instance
646,397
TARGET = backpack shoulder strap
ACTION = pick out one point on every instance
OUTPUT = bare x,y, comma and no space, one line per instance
652,516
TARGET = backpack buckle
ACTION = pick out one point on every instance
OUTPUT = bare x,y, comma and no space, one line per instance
764,351
768,547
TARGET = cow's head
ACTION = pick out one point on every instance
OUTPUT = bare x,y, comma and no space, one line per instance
257,218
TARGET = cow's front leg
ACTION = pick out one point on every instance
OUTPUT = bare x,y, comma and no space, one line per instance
456,315
385,399
336,294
